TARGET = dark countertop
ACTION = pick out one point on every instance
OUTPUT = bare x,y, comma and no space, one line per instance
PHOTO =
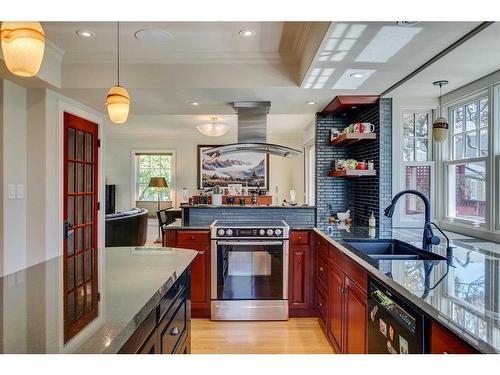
132,281
463,294
177,225
245,206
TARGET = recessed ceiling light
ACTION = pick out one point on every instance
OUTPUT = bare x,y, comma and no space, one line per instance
310,102
247,33
194,103
154,36
356,75
85,33
407,23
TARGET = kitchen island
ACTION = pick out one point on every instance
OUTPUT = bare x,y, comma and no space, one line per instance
138,287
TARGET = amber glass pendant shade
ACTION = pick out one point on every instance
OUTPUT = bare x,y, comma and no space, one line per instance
23,45
118,104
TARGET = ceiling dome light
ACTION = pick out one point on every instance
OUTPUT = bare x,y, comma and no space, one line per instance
118,99
118,103
356,75
23,45
213,129
194,103
247,33
154,36
311,102
85,33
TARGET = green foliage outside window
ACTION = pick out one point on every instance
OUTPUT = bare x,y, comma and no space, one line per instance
152,165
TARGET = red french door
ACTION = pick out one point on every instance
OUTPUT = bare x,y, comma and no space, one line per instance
80,223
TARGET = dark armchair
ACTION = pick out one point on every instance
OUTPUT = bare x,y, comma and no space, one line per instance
128,228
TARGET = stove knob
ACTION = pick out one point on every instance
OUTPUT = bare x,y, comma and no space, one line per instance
229,232
277,232
221,232
270,232
262,232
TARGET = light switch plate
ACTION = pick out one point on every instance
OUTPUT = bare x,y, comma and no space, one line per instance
11,191
20,191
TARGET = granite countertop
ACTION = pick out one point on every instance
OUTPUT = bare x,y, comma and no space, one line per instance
462,293
177,224
132,281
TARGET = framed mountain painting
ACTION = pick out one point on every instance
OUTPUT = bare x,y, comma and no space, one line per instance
245,168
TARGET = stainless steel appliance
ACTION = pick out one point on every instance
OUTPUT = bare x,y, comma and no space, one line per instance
394,326
249,278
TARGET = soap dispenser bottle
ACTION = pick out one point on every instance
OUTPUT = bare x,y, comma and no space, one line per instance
371,221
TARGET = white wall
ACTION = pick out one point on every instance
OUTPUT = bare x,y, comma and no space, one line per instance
284,173
31,146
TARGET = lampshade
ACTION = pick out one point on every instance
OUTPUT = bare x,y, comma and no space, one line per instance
213,129
118,103
23,44
158,182
440,129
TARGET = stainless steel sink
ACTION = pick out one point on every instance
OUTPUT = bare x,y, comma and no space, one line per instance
391,249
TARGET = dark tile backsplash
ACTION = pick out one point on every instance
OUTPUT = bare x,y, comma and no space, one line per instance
362,195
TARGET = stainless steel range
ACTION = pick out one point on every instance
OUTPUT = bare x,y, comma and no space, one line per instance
249,278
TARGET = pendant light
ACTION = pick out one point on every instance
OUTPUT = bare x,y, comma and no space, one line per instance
118,99
213,129
440,125
23,45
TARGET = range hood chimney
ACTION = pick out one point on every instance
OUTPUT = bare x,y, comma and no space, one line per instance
252,132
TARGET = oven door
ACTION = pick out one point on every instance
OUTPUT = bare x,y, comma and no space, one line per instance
250,270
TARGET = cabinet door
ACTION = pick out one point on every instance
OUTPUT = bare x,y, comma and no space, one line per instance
335,302
298,278
200,283
355,316
445,342
151,346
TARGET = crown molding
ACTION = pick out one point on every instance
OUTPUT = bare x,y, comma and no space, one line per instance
180,58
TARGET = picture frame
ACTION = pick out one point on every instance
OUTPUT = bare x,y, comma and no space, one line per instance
239,168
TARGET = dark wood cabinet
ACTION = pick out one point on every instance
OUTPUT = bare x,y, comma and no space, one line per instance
200,270
335,308
443,341
355,315
300,275
166,329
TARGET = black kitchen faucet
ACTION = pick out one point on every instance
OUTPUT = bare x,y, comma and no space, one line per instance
428,238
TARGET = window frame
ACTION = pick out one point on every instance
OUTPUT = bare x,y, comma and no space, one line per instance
450,161
134,171
310,173
399,165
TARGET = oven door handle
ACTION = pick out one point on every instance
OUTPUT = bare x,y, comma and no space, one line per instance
246,243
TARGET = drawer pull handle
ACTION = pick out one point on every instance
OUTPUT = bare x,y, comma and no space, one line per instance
320,304
300,238
192,237
340,289
320,269
175,331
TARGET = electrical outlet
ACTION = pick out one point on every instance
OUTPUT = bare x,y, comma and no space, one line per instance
11,191
20,191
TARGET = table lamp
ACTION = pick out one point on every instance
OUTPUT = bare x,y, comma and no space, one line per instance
158,183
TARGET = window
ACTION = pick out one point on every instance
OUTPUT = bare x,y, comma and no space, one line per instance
467,165
310,172
417,167
152,165
416,134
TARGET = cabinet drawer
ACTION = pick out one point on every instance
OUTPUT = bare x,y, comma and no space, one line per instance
168,299
444,341
299,237
139,338
322,302
171,333
193,237
322,270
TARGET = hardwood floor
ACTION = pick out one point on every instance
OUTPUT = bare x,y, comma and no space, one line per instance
295,336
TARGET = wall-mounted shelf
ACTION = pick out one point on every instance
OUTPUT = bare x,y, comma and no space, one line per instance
347,139
354,173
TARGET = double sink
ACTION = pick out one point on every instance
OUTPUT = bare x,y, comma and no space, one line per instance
390,249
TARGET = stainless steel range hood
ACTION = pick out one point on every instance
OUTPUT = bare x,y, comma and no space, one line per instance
252,132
